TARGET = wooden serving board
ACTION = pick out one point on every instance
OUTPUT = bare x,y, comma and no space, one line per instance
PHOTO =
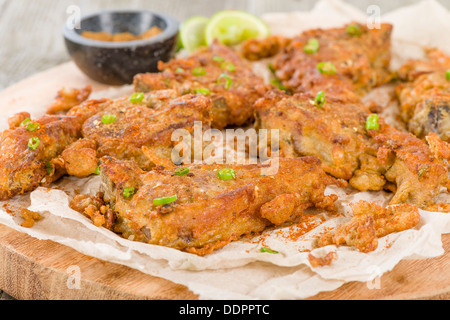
40,269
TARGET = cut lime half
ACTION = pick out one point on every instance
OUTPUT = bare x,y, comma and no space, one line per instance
232,27
192,33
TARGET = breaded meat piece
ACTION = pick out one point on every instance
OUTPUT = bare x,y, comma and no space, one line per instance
143,130
424,95
206,212
336,133
369,223
217,72
346,62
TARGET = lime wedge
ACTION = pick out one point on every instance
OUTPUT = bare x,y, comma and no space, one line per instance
231,27
192,33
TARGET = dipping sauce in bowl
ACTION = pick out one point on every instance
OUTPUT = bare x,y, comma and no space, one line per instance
121,44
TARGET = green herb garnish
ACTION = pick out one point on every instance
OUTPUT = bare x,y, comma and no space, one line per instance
353,30
228,66
312,46
199,71
128,192
32,126
268,250
227,79
320,99
203,91
164,200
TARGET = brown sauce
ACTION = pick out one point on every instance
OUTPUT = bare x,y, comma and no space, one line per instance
120,37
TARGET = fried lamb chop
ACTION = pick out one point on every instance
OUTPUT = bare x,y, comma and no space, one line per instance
346,62
424,95
201,211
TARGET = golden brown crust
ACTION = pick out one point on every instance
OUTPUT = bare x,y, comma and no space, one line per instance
232,103
361,62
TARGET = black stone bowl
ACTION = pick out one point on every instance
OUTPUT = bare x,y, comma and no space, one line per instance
116,63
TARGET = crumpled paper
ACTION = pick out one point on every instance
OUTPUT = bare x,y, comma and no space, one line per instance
240,270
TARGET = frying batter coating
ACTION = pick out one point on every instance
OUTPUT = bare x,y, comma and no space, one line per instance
30,149
209,212
218,72
369,159
143,130
361,60
69,98
424,96
370,222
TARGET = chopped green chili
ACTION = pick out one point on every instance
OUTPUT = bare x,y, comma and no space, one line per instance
227,78
277,83
24,122
218,59
49,167
268,250
228,66
199,71
182,171
353,30
320,99
128,192
203,91
326,67
32,126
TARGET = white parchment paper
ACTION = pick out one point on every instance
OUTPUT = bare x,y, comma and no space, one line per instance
240,270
